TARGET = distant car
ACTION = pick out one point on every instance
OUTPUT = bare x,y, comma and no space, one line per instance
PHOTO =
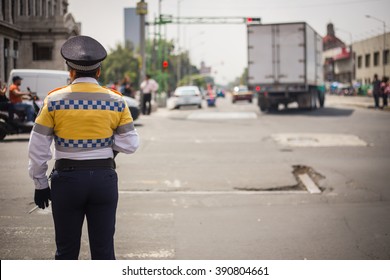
242,93
187,96
133,105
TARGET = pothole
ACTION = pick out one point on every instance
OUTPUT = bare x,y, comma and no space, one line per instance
307,180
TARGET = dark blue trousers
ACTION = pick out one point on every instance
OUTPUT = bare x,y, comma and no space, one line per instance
84,193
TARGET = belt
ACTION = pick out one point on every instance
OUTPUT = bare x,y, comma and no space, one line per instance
70,164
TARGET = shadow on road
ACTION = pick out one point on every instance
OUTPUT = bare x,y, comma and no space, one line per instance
322,112
14,140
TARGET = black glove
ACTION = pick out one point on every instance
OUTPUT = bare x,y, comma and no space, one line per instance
41,198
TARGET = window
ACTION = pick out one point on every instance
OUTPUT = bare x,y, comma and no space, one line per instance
367,62
3,9
21,7
386,57
44,8
54,7
42,51
65,7
359,61
376,58
13,10
5,57
16,53
29,7
49,9
37,7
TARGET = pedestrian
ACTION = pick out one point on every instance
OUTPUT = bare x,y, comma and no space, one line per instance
90,124
16,98
3,98
114,86
384,84
5,105
376,90
148,88
126,87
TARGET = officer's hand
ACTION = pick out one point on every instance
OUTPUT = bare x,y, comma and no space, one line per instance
41,198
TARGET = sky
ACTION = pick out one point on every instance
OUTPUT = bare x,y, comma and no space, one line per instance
224,47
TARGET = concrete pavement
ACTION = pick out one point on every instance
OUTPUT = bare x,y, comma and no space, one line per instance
190,190
355,101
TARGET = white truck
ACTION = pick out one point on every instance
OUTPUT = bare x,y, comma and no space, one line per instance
284,65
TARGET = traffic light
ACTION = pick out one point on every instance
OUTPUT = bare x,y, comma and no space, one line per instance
165,64
251,20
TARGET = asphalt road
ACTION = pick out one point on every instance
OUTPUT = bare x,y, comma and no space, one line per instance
218,183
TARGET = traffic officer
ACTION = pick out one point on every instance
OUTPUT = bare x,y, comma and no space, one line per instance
89,125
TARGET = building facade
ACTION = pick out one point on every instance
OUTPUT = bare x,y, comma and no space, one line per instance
372,57
337,58
32,33
132,27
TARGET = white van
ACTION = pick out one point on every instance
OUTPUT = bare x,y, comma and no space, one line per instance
40,81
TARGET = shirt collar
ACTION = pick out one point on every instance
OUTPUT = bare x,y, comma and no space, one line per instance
85,80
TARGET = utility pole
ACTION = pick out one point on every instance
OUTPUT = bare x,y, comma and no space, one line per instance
178,62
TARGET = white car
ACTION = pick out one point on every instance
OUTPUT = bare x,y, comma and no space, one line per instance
186,96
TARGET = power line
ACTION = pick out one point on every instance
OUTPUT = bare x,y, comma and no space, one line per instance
311,5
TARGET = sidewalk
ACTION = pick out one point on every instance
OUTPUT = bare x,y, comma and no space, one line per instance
356,101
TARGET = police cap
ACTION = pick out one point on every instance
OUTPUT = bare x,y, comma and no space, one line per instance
83,53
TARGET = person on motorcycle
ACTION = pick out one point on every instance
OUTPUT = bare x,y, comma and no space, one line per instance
15,96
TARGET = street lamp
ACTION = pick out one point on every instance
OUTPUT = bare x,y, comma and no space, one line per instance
384,41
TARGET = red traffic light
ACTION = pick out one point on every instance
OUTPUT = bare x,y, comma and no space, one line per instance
165,64
258,88
251,20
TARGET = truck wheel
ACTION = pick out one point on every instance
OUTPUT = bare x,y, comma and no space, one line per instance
263,108
273,108
262,104
313,99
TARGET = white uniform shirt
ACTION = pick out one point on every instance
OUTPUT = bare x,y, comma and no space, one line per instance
149,86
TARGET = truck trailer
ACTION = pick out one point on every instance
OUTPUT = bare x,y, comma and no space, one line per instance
285,65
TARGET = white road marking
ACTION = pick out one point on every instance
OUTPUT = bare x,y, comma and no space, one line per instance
318,140
222,116
212,192
175,184
156,216
309,184
162,254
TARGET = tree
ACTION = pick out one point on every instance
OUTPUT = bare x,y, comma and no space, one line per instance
162,50
242,80
121,62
